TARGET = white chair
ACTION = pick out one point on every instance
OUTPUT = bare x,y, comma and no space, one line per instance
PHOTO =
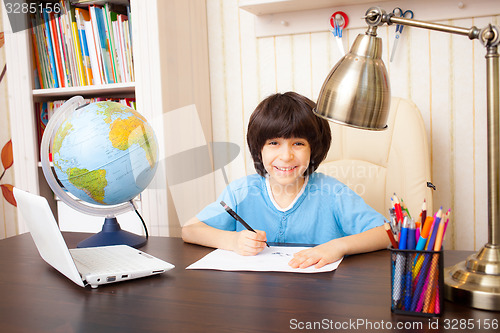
377,164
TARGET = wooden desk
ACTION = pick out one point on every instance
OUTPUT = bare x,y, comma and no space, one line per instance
36,298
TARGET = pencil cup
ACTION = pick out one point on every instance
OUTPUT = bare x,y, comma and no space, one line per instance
417,282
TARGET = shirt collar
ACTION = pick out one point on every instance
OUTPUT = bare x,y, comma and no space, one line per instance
270,193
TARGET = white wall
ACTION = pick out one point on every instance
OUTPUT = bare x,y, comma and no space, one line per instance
443,74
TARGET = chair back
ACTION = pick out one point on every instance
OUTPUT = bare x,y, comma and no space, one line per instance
377,164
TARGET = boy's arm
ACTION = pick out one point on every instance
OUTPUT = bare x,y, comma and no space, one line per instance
367,241
243,242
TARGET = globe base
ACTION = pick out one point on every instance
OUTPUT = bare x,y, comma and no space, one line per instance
112,234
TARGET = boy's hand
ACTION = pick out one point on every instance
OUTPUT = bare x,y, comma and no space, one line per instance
248,243
318,256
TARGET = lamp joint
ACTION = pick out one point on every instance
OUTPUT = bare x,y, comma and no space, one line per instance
490,35
375,16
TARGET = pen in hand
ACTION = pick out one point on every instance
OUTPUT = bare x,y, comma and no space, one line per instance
237,217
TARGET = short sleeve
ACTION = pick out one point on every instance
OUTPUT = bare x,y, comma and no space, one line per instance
216,216
356,216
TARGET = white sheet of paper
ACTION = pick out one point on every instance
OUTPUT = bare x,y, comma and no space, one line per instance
271,259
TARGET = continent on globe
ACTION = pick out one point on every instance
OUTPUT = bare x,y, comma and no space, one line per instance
92,182
123,134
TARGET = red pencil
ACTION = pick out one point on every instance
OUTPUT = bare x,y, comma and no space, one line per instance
397,209
391,236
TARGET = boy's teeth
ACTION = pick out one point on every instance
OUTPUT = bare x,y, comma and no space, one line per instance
284,169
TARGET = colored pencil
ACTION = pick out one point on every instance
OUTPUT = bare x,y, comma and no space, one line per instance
391,235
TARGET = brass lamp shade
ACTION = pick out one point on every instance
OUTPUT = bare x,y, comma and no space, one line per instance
357,91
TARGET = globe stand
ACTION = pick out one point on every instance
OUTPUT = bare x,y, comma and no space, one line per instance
112,234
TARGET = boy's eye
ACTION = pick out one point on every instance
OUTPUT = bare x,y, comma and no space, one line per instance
272,143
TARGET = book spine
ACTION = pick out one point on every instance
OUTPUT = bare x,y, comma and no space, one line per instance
103,43
97,44
43,53
65,60
56,50
36,54
94,60
78,53
110,42
73,42
79,17
48,38
118,51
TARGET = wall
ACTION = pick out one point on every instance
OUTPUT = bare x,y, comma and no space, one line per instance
8,213
443,74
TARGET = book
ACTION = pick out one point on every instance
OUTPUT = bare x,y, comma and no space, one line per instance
97,44
63,49
67,49
118,51
81,15
110,41
52,61
42,118
36,57
120,23
96,14
74,40
128,49
56,49
93,54
43,53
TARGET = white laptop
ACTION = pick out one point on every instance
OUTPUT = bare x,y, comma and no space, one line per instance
84,266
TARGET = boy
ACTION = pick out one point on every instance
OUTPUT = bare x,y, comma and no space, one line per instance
287,202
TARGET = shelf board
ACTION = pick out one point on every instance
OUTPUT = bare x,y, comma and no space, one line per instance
264,7
127,88
290,17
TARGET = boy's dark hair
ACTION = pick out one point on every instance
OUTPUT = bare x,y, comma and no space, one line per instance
288,115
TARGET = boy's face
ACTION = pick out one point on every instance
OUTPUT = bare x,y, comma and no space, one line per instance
286,160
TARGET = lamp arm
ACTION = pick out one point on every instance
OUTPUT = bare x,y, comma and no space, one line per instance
489,35
472,33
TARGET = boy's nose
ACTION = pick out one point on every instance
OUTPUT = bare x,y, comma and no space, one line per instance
286,153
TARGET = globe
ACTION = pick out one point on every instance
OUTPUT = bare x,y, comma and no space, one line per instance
103,153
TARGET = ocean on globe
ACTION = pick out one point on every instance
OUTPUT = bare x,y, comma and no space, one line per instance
105,153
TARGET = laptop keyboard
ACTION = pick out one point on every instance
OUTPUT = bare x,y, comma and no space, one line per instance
109,259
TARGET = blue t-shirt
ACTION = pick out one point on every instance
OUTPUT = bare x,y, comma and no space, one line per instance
326,209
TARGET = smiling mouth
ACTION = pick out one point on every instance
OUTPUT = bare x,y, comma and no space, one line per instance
285,169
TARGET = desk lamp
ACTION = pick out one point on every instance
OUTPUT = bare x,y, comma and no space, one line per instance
357,93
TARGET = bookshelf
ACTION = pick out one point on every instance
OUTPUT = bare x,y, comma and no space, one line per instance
163,34
112,89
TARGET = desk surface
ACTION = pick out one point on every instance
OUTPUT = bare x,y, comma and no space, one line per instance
36,298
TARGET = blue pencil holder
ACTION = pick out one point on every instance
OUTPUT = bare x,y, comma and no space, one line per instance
417,282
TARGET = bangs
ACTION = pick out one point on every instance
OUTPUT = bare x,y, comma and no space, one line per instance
286,123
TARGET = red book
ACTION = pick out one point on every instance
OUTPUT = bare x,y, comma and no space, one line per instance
57,51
